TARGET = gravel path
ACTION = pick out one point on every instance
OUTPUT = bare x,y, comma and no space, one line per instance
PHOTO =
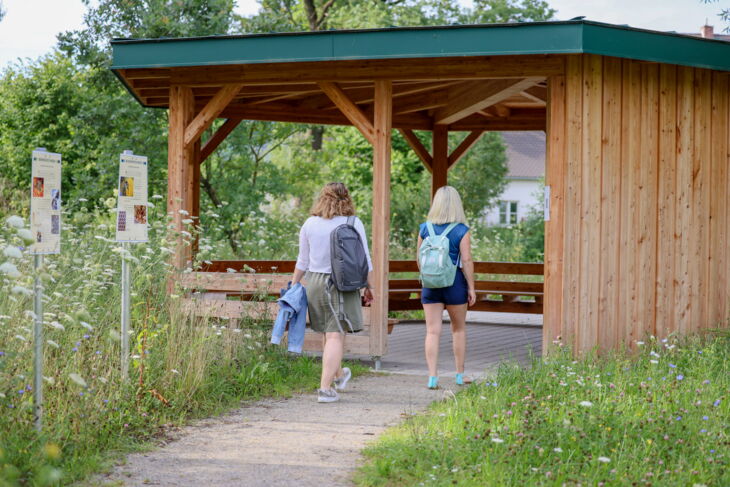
282,442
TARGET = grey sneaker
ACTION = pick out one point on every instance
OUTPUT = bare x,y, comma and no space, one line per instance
327,395
341,382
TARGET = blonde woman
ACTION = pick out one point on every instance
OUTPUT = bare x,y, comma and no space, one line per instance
446,209
331,209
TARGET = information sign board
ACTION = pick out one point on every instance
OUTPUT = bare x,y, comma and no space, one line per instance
45,202
132,199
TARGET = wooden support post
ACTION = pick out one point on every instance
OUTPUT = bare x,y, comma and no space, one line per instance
179,172
439,175
381,215
195,195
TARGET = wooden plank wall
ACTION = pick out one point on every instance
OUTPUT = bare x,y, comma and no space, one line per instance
640,186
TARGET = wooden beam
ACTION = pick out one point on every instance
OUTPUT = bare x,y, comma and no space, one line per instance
179,173
381,215
219,136
465,145
417,147
536,93
450,68
204,119
476,96
349,109
439,175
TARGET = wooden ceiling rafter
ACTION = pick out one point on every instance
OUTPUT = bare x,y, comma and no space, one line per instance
475,96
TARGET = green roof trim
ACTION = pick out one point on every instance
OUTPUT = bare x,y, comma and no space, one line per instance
568,37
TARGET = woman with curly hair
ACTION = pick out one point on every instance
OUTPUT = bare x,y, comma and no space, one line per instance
332,209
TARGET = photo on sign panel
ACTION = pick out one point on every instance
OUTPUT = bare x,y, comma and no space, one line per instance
55,224
122,221
37,187
55,199
126,186
140,214
38,237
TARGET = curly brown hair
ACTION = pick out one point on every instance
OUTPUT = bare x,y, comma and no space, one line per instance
334,200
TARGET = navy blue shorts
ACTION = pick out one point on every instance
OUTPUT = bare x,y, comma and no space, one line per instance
455,294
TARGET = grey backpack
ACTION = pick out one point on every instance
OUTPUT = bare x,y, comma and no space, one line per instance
347,257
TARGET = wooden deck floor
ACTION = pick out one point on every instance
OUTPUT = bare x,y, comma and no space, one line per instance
487,345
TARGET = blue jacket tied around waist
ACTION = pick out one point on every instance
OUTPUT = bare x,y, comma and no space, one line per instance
292,311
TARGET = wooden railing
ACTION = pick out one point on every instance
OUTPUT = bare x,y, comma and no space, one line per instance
247,279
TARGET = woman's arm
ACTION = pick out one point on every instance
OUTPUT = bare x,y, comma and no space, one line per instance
303,258
467,266
418,247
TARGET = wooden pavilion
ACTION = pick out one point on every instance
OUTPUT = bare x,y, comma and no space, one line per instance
638,134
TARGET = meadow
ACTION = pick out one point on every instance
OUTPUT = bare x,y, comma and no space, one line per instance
658,417
180,368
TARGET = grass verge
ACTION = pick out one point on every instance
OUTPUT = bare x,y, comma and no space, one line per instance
659,418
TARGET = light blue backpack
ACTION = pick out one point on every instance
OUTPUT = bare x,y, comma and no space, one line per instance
437,269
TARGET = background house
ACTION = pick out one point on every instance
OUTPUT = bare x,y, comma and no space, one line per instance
526,169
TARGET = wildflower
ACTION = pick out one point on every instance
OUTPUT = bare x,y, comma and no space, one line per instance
654,361
716,403
679,418
52,343
705,418
183,212
673,366
703,430
74,349
26,235
705,381
156,197
57,325
586,404
558,450
14,221
640,343
21,290
86,325
187,221
77,379
13,252
497,440
604,459
9,269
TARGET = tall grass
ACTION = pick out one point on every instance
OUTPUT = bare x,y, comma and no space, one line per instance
657,419
180,368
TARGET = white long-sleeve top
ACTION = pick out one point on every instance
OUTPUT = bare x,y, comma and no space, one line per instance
314,243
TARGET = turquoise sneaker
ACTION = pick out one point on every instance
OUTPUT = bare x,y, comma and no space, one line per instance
433,382
459,379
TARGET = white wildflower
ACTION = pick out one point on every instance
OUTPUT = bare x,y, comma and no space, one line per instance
174,371
497,440
86,325
183,212
21,338
50,380
14,221
103,380
231,270
558,450
9,269
654,361
57,325
83,200
53,344
26,235
640,343
586,404
21,290
77,379
187,221
156,197
604,459
2,396
13,252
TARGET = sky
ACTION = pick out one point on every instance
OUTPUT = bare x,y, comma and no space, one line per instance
30,26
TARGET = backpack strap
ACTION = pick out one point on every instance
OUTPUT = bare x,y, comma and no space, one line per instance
431,231
351,220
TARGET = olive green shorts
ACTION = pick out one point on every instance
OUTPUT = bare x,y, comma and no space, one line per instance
321,317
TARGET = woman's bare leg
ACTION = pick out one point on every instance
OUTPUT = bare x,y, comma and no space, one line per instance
457,313
434,320
334,349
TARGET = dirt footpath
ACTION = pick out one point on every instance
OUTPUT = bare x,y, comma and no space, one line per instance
282,442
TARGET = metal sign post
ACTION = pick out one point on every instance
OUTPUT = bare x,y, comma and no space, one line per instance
38,344
131,227
45,224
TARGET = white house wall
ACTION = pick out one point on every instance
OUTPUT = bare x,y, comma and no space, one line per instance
525,192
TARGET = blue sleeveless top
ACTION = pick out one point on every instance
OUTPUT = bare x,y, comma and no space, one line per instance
454,236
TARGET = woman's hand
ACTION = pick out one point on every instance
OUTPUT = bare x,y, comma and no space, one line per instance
368,296
472,297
